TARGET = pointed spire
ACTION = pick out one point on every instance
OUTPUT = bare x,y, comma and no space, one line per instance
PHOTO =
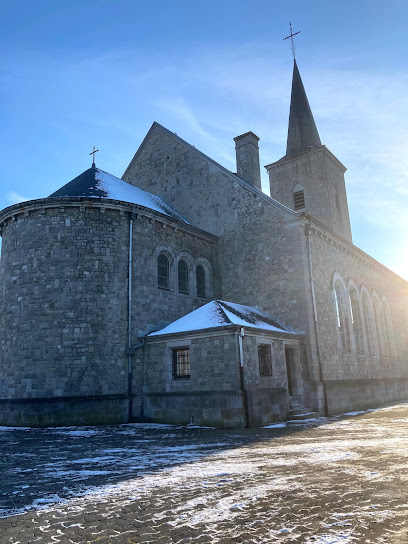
302,131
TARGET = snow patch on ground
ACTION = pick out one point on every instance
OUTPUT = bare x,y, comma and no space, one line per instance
275,426
15,428
341,538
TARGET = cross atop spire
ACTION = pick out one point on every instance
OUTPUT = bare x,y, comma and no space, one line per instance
93,156
292,40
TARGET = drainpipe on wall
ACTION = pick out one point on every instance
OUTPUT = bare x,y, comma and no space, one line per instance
316,324
241,374
130,351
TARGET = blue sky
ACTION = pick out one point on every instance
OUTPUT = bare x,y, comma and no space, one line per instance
80,73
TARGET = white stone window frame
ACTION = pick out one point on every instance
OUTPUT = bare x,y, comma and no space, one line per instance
371,323
168,357
352,286
342,310
209,288
378,324
388,328
168,251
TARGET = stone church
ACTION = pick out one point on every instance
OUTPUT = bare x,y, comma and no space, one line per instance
182,293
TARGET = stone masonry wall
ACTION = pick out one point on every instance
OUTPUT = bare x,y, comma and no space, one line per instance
267,396
150,303
262,261
64,306
358,380
261,249
318,174
211,396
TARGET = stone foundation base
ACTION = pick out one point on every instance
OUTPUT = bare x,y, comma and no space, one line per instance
213,408
344,396
216,408
267,406
64,411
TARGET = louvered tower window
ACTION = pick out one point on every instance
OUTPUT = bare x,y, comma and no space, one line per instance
299,200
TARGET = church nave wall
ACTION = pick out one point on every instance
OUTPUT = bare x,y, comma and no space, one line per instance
362,322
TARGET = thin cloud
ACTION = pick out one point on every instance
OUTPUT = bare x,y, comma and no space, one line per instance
179,108
14,198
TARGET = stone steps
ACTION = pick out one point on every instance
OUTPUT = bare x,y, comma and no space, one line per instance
297,412
302,416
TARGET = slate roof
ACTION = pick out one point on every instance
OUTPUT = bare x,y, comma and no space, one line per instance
219,313
95,183
302,131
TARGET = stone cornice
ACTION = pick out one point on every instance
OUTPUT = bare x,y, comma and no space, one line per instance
348,248
11,213
285,160
222,331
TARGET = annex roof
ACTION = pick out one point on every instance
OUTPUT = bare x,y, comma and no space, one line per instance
95,183
219,313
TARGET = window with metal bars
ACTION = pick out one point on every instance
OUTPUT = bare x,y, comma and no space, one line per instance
163,272
265,359
181,363
299,200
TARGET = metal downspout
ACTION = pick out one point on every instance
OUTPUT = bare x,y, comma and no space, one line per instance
129,350
241,374
316,324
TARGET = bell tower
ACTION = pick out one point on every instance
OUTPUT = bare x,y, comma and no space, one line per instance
309,177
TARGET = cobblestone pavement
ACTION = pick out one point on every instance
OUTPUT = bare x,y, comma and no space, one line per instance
340,480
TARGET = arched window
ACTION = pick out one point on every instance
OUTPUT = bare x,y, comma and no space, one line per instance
163,272
200,280
385,335
298,197
378,328
356,320
182,277
367,322
342,317
388,328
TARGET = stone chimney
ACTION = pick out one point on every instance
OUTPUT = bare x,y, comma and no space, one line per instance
247,152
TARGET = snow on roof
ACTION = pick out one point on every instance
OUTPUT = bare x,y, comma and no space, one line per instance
95,183
219,313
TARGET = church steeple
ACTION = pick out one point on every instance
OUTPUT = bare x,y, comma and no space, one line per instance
309,178
302,131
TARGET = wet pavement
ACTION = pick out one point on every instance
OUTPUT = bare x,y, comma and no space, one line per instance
338,480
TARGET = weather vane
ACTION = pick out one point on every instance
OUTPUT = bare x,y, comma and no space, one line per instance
93,155
292,40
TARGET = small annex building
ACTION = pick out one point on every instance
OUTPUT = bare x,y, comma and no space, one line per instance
222,389
183,291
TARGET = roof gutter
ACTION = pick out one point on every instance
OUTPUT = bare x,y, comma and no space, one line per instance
241,374
129,350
